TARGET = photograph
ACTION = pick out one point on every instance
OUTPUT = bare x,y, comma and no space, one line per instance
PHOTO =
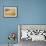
32,32
10,11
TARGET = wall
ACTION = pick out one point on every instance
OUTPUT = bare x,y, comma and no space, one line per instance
29,12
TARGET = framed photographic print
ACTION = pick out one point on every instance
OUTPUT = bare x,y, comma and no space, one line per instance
10,11
32,32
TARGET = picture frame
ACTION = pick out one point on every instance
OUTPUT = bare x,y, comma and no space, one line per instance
39,32
10,11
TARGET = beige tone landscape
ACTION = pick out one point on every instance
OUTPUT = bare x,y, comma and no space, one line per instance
10,12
